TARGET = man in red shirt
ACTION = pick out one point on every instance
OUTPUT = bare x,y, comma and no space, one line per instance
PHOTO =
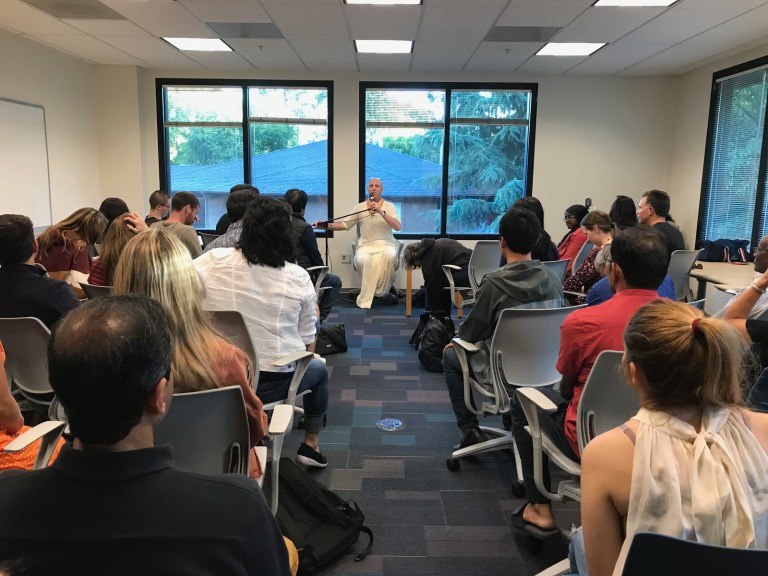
638,264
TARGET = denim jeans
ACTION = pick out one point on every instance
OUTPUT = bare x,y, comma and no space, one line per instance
577,554
328,297
273,386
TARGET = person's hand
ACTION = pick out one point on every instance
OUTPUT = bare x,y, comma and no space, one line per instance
449,345
135,223
321,224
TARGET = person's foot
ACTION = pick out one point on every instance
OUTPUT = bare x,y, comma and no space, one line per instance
308,456
471,436
540,515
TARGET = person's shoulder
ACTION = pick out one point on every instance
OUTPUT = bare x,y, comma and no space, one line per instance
600,454
233,492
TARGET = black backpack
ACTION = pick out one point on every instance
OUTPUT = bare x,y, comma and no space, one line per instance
321,525
434,331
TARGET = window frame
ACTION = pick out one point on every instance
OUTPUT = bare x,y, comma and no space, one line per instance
163,151
448,87
709,150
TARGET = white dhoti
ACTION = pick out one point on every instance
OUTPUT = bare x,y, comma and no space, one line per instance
376,262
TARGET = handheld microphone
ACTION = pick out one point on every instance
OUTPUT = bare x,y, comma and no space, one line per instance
372,198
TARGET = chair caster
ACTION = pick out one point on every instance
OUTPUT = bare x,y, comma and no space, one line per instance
453,464
518,490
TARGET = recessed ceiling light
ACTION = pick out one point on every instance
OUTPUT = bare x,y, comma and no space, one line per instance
384,2
199,44
570,48
384,46
644,3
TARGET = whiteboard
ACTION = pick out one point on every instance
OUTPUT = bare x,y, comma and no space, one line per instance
24,179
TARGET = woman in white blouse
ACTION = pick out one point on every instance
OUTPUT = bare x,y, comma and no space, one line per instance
692,463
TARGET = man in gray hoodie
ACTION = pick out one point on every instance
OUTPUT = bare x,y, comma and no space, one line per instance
520,281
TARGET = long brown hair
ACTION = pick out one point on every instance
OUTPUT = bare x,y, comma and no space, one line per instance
117,236
76,232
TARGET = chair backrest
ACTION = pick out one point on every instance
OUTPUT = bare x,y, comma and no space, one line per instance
558,267
231,325
208,431
92,291
698,304
717,299
26,345
662,555
485,258
525,346
586,248
206,238
680,265
607,400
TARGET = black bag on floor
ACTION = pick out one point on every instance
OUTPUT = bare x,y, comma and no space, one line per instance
331,340
415,340
437,332
321,525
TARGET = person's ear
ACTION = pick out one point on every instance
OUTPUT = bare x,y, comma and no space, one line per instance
615,272
502,243
159,400
35,246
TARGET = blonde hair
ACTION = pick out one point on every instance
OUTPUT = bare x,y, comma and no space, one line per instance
117,236
81,228
156,264
687,359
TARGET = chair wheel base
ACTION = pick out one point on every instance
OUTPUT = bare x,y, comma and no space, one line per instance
518,490
453,464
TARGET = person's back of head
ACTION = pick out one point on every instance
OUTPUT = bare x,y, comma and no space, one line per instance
17,239
182,199
248,187
532,204
659,201
411,255
641,253
297,199
112,208
686,359
85,224
237,203
520,230
105,359
598,219
267,234
117,236
158,197
623,213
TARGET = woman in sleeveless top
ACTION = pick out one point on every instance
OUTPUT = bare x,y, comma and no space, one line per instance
692,463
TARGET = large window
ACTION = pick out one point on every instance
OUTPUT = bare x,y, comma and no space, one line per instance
453,157
275,136
733,199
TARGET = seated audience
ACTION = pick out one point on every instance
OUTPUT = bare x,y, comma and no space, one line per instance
113,208
112,502
545,250
430,255
521,281
278,302
570,245
237,204
307,253
117,236
653,210
623,213
155,264
225,221
761,265
601,290
184,209
598,230
64,248
692,463
159,207
26,289
638,265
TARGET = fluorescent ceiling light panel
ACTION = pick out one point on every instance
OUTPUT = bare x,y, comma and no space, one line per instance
384,2
570,48
384,46
199,44
643,3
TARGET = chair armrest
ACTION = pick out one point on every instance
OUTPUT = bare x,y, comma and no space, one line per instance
282,419
467,346
313,268
562,567
536,398
574,293
451,267
291,358
34,434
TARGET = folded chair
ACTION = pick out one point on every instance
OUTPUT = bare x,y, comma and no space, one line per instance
523,352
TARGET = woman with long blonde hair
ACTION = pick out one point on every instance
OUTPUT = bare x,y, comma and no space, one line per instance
156,264
692,463
64,247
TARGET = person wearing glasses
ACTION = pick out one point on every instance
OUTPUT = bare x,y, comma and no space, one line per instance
572,242
159,206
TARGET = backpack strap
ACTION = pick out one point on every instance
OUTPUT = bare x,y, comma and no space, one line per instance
367,549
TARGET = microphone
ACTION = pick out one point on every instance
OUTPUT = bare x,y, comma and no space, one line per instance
372,198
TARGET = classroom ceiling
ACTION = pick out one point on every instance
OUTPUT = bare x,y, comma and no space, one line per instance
450,36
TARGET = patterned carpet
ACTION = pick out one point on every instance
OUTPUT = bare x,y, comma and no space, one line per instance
426,520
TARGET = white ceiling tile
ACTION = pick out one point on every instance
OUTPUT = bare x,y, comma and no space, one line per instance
502,56
527,16
676,58
606,24
441,56
552,3
88,48
465,3
267,54
464,24
383,22
27,20
677,25
743,29
737,6
267,3
614,58
221,60
315,22
219,11
384,62
108,27
162,18
151,50
326,54
550,65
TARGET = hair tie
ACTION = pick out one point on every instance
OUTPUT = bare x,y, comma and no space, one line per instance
695,324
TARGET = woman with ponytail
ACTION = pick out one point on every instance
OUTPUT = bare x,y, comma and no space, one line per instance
692,463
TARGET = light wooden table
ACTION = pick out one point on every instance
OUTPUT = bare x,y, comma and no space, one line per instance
409,295
722,273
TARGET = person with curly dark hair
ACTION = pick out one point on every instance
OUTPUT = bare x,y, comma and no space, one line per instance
622,212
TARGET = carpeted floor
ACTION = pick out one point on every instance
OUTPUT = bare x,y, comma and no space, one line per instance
426,520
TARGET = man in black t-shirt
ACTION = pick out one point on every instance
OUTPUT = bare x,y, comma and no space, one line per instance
653,210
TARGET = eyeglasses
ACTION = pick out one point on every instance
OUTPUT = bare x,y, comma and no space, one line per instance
608,260
569,217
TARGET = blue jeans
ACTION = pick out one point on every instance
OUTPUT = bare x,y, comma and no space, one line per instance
455,382
577,554
328,297
273,386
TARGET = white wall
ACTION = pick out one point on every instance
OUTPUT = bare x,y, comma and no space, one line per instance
31,72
